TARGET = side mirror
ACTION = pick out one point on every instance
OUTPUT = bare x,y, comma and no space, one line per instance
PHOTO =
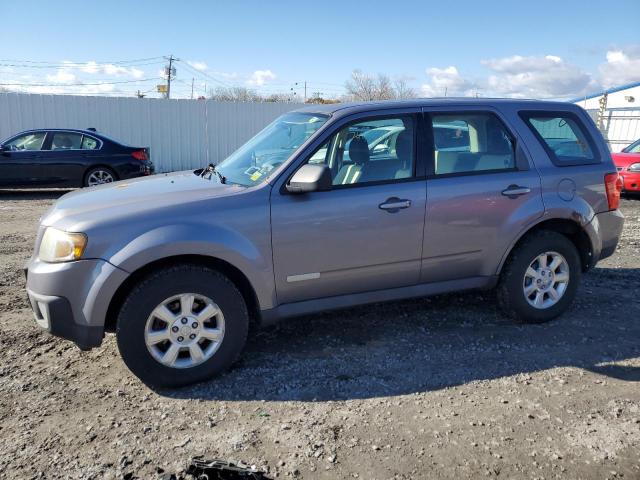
310,178
5,148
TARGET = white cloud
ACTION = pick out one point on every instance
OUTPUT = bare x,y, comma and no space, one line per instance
201,66
446,82
63,75
136,73
622,66
260,77
90,67
116,70
70,90
536,77
544,76
107,69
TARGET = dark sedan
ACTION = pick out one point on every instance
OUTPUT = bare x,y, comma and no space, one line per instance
68,158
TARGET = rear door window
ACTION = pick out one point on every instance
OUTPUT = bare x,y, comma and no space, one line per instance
66,141
563,137
471,143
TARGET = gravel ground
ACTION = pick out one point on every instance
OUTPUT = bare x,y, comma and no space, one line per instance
428,388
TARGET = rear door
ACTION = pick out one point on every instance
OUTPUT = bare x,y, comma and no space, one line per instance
19,165
63,161
365,233
482,192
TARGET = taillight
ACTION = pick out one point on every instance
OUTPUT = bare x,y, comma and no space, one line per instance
140,155
613,185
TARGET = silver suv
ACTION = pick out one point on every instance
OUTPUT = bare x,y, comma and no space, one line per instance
329,207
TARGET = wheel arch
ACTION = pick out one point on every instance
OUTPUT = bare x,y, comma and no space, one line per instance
571,229
237,277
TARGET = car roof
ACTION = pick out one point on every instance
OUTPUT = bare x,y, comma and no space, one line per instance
74,130
103,138
356,107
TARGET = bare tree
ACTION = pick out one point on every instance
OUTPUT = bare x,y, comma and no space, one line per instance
402,90
234,94
365,87
361,86
243,94
277,97
384,88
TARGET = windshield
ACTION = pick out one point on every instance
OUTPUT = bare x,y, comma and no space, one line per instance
633,148
253,161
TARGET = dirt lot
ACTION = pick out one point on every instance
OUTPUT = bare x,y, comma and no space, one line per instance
428,388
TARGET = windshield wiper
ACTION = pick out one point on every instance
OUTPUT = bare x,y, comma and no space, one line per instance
211,169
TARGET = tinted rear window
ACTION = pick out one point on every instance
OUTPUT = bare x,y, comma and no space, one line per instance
564,138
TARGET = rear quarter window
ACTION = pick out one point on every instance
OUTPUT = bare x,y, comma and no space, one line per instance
564,137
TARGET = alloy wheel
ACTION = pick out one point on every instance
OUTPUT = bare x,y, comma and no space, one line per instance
184,330
98,177
545,280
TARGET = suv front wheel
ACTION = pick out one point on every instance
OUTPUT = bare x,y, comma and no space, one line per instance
540,279
182,325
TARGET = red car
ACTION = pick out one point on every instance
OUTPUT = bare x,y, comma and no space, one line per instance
628,164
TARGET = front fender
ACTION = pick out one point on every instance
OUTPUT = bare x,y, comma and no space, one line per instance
253,259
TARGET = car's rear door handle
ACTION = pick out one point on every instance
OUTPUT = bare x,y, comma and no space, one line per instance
514,191
393,204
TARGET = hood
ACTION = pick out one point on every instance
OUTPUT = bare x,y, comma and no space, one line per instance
625,159
134,196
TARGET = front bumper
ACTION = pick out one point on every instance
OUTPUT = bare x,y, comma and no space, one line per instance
55,316
70,300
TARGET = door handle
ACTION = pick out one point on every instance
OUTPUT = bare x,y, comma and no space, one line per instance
393,204
514,191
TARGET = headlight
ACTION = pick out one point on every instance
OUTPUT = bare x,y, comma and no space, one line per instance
59,246
634,167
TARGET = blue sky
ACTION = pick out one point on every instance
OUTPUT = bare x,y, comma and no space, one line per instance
546,49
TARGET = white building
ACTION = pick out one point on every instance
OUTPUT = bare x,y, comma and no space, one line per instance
616,111
624,96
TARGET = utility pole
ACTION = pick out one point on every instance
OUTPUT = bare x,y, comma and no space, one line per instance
169,71
192,80
305,90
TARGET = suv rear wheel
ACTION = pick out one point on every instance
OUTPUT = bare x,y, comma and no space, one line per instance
540,279
182,325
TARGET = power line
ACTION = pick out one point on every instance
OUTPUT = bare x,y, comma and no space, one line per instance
78,65
195,71
62,64
73,84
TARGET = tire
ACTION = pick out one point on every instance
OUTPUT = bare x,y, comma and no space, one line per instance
136,324
516,279
93,174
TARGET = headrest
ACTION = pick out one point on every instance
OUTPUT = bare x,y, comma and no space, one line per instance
359,150
403,146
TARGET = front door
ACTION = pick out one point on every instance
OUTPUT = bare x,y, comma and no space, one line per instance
481,193
365,233
19,162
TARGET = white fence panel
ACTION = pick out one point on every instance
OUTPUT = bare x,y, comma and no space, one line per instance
620,127
182,134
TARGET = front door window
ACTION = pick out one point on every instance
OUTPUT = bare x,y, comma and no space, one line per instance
370,151
28,141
